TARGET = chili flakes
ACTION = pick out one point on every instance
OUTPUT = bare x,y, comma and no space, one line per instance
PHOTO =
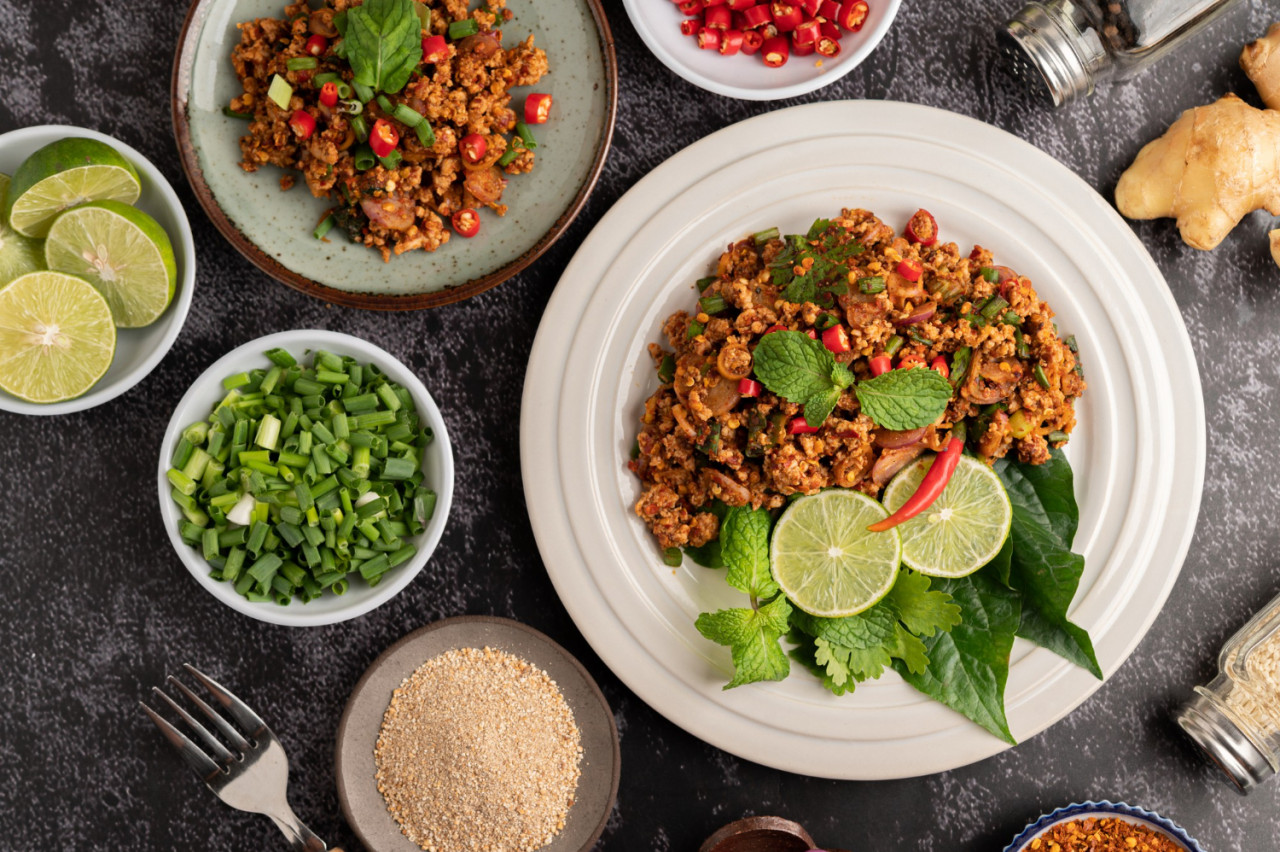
1103,835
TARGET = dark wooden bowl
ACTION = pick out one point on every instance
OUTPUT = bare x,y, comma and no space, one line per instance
759,834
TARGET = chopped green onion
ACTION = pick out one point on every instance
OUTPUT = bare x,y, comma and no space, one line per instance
363,92
301,63
1072,345
1041,379
323,228
508,156
281,358
893,344
672,557
426,135
990,274
695,328
326,77
230,113
993,306
361,128
363,158
344,90
667,370
763,237
384,104
464,28
279,92
351,106
960,365
390,162
407,115
1011,318
713,304
1057,436
871,285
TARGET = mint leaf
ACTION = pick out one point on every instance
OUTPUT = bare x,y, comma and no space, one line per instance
904,399
818,408
793,366
861,644
752,636
383,43
922,610
969,666
1042,566
744,545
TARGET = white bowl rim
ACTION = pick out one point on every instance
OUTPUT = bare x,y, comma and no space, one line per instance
297,616
635,9
175,315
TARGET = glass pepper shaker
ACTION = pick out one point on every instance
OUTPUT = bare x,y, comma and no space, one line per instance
1062,48
1235,719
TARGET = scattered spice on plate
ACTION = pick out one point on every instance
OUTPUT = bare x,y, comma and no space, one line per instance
479,751
1103,835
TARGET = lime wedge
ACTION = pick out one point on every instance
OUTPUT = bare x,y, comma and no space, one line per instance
965,527
56,337
63,174
121,251
824,558
18,254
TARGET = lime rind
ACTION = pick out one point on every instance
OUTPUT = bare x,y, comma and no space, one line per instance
18,254
63,174
826,561
121,251
965,527
57,337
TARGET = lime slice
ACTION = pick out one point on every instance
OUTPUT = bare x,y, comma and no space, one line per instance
824,558
965,527
56,337
121,251
63,174
18,254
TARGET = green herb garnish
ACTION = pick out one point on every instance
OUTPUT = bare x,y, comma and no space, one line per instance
383,41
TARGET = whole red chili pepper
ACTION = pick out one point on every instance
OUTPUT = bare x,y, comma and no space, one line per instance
934,483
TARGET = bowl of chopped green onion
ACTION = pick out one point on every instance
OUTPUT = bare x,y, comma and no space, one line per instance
305,478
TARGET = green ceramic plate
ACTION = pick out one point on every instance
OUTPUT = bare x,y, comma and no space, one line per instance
273,228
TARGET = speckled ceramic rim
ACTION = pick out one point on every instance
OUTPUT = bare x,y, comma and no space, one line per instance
184,249
195,405
1103,808
525,642
183,61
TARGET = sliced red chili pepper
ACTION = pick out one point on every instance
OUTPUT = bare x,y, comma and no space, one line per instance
802,49
691,8
317,45
709,39
739,22
707,4
730,42
758,15
302,123
466,222
771,329
934,483
751,42
813,335
910,269
718,18
829,9
383,138
853,14
828,47
799,426
689,27
910,360
434,49
473,147
836,339
922,228
806,33
1007,278
939,364
831,31
976,253
750,387
880,365
786,16
329,94
741,5
811,7
537,108
769,30
775,51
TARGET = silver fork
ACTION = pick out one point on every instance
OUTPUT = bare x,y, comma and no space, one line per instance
253,774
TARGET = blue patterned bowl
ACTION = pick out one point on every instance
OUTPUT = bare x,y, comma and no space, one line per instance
1128,813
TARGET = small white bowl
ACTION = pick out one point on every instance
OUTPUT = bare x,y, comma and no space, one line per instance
138,350
207,391
747,77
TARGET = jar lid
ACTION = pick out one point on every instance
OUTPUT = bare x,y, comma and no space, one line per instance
1050,52
1223,742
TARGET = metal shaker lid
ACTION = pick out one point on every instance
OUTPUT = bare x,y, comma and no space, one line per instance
1222,741
1053,49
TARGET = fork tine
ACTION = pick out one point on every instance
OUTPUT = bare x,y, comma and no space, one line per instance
224,727
237,708
195,758
220,752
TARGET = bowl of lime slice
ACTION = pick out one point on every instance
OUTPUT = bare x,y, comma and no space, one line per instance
97,269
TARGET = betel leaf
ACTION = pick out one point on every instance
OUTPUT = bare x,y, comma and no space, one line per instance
904,399
744,546
1042,566
969,666
753,638
383,43
801,370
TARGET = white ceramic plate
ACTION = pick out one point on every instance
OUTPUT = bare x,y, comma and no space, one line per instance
205,393
138,350
747,77
1138,451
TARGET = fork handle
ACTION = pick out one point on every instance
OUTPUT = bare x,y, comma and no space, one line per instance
301,838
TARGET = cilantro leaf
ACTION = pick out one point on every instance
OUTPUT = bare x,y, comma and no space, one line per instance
744,546
801,370
752,636
922,610
805,652
383,43
903,399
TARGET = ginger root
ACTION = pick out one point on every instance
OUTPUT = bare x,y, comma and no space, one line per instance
1261,61
1211,168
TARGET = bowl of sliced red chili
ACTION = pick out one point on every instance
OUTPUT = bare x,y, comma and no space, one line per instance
762,50
1103,827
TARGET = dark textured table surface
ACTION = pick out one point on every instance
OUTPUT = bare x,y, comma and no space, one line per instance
96,607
